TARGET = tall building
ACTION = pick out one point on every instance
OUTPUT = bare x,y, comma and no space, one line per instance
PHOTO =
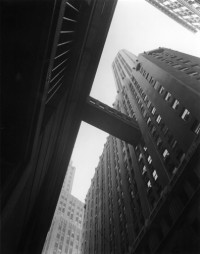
65,234
185,12
144,197
69,178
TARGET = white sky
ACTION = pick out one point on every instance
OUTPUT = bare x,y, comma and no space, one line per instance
136,26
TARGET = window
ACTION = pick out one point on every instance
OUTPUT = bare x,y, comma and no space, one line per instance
153,131
184,69
161,90
156,86
174,143
148,104
155,176
196,127
149,159
159,142
176,65
144,113
148,121
153,110
175,104
165,130
144,170
151,80
165,154
180,155
185,115
193,73
149,184
158,119
168,96
140,157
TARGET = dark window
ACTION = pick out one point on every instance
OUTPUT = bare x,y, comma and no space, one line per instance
180,155
174,144
159,142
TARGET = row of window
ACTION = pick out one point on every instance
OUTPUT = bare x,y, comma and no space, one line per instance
74,204
117,77
133,190
183,112
149,174
124,63
181,10
120,195
121,71
183,65
162,135
127,105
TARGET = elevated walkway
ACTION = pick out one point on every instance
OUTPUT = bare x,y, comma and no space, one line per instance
111,121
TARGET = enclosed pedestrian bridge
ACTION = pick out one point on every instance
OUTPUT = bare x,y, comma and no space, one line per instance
111,121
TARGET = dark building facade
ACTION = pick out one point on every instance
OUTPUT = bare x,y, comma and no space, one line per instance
184,12
50,53
144,198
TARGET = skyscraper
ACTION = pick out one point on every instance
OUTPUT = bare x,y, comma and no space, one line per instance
143,198
65,232
69,178
185,12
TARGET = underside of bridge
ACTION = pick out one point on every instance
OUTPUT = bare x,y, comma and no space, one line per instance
51,51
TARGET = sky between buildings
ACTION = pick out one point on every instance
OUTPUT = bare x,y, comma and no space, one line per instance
136,26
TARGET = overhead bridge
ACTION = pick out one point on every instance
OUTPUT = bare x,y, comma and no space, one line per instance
111,121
